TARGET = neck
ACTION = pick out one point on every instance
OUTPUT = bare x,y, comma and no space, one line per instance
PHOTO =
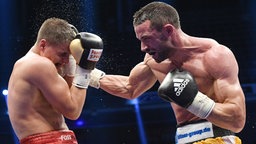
181,57
35,49
182,40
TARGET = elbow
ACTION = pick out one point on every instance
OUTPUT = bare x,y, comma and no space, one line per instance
72,114
132,96
237,129
73,117
238,121
238,124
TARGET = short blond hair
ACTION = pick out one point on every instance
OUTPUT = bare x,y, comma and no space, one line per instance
56,31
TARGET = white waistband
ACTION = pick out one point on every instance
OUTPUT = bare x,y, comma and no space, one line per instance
194,132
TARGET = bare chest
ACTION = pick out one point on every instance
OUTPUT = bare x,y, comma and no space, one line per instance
196,67
202,77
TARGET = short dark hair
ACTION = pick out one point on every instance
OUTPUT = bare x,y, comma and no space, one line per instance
159,14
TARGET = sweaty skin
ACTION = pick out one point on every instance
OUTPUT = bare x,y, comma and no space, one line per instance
39,98
213,66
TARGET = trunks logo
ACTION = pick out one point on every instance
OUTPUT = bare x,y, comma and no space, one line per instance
179,85
65,137
194,133
94,55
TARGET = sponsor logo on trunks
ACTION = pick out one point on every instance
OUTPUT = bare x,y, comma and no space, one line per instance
65,137
179,85
194,133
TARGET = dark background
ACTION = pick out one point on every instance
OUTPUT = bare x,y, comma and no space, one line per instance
108,119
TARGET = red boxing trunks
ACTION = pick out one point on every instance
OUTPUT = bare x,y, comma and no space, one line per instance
52,137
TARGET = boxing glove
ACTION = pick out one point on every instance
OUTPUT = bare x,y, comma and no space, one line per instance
75,31
180,87
96,75
86,49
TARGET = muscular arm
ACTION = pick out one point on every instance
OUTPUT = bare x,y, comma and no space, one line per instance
141,78
69,80
67,100
229,111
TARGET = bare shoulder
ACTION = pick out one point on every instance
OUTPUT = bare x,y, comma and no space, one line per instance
220,61
217,51
32,65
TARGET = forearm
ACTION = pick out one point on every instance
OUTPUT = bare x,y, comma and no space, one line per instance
69,102
230,112
117,85
140,79
78,91
229,116
78,96
69,80
85,50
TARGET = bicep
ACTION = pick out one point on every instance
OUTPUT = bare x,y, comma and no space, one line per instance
52,86
229,111
229,91
139,80
224,69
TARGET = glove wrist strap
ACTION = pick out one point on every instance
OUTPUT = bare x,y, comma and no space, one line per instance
96,75
201,106
82,77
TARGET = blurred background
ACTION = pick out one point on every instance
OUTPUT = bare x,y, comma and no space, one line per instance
108,119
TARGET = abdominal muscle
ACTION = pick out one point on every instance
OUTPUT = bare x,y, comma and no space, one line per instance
32,125
33,115
182,115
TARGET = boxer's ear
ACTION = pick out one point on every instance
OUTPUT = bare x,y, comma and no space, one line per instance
167,29
42,44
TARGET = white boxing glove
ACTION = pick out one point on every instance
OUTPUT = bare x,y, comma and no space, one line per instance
96,75
69,69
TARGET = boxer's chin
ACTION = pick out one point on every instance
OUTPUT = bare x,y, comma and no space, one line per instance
58,66
60,71
157,58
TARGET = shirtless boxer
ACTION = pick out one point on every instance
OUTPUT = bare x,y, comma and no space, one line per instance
198,76
48,83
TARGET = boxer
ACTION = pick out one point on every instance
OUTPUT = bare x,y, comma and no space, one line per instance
198,77
50,82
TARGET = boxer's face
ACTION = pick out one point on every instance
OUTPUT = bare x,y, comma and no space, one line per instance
153,42
58,54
